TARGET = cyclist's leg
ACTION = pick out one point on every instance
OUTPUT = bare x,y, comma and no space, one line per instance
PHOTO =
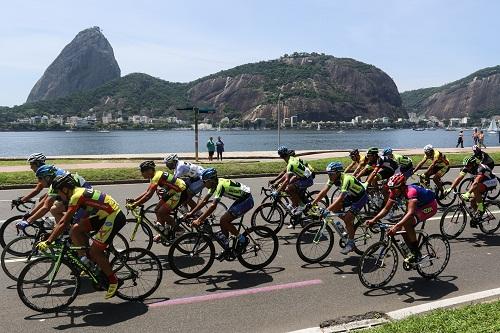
421,214
293,191
168,202
79,233
237,209
354,210
439,175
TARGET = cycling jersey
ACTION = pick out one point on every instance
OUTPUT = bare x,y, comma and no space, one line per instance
349,185
440,159
486,159
167,181
299,168
384,162
478,169
188,170
95,202
229,188
422,195
80,182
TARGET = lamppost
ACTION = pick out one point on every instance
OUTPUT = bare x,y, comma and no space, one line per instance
196,112
278,116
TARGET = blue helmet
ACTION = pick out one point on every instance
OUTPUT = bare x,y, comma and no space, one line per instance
387,151
334,167
208,174
46,170
284,151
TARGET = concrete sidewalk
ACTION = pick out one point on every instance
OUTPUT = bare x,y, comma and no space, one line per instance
105,161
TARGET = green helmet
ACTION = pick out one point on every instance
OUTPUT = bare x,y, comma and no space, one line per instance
469,160
372,151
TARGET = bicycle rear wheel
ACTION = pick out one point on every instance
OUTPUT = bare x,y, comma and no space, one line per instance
494,193
435,251
269,215
378,265
490,221
453,222
442,199
14,256
261,249
43,291
465,184
364,236
191,255
314,242
139,272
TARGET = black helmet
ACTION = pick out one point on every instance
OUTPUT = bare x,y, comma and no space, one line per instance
147,165
284,151
63,181
354,152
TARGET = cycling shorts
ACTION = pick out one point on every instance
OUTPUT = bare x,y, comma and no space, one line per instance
486,183
426,211
241,206
304,183
171,199
194,186
356,206
106,228
439,171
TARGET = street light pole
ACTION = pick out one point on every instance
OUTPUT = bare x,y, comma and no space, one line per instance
278,116
195,134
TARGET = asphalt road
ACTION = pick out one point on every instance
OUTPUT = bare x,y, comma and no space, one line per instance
292,294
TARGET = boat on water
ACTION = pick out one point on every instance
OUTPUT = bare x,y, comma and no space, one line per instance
419,129
319,127
493,128
103,131
431,128
386,129
341,131
68,131
450,128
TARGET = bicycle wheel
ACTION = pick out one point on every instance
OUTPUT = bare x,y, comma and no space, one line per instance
42,291
490,221
270,215
378,265
494,193
261,249
435,251
453,221
139,272
445,200
143,236
324,203
465,184
15,256
315,242
365,236
191,255
8,230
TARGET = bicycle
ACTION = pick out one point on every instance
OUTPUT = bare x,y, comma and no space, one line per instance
443,200
8,229
379,263
316,240
51,283
454,218
467,182
192,254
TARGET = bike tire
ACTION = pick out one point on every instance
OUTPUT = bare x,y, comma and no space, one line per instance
429,249
323,203
449,199
310,235
182,255
139,271
262,248
494,193
8,230
270,215
12,256
143,237
491,218
464,184
67,276
370,262
365,236
453,221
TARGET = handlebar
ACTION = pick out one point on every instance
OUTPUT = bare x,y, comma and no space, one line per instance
21,207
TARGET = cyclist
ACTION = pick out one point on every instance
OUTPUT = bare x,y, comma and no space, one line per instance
352,194
298,177
382,167
370,162
51,201
105,217
439,165
35,161
483,157
190,173
358,162
243,202
405,164
170,189
421,204
484,181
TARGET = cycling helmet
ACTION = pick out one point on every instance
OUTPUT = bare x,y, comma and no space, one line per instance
63,181
46,170
37,158
476,149
170,158
208,174
334,167
428,149
396,181
147,165
469,160
372,151
387,151
284,151
354,152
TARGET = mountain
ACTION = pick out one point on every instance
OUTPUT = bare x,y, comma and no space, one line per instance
85,63
475,96
312,86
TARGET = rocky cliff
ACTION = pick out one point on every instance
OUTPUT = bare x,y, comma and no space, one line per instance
475,96
84,64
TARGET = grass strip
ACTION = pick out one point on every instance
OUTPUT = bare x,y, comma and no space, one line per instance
478,318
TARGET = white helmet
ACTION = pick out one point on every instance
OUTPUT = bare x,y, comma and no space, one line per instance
428,149
170,158
36,158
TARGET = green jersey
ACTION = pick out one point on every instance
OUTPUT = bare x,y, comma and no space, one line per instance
230,189
299,168
350,186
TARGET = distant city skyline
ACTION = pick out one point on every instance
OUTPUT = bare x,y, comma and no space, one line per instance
418,43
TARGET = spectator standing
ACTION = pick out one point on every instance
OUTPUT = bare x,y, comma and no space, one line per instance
211,148
460,139
220,148
480,139
475,136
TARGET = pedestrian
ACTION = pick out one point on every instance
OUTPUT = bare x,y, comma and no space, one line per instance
475,136
211,148
220,148
480,139
460,139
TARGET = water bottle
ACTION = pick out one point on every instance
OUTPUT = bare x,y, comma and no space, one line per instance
341,229
86,262
404,247
222,239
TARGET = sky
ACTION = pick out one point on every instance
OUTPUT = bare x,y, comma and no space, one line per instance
419,43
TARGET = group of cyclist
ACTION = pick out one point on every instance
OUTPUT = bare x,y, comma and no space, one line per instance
77,206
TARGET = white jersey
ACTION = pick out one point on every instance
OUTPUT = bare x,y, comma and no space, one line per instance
188,170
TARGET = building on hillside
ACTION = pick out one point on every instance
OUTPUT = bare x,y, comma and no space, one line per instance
293,120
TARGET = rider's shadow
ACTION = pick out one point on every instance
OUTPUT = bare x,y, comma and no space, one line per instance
350,263
425,289
99,314
480,240
290,239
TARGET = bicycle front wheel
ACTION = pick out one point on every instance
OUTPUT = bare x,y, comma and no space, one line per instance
494,193
315,242
139,272
14,256
143,236
453,222
191,255
44,287
378,265
269,215
490,221
261,249
442,199
364,236
435,251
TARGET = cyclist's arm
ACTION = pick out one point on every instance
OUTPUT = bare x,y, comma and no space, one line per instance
199,205
284,183
38,188
338,203
372,175
350,166
209,211
62,224
277,177
422,162
359,169
410,212
43,208
321,195
145,196
384,211
431,166
457,180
